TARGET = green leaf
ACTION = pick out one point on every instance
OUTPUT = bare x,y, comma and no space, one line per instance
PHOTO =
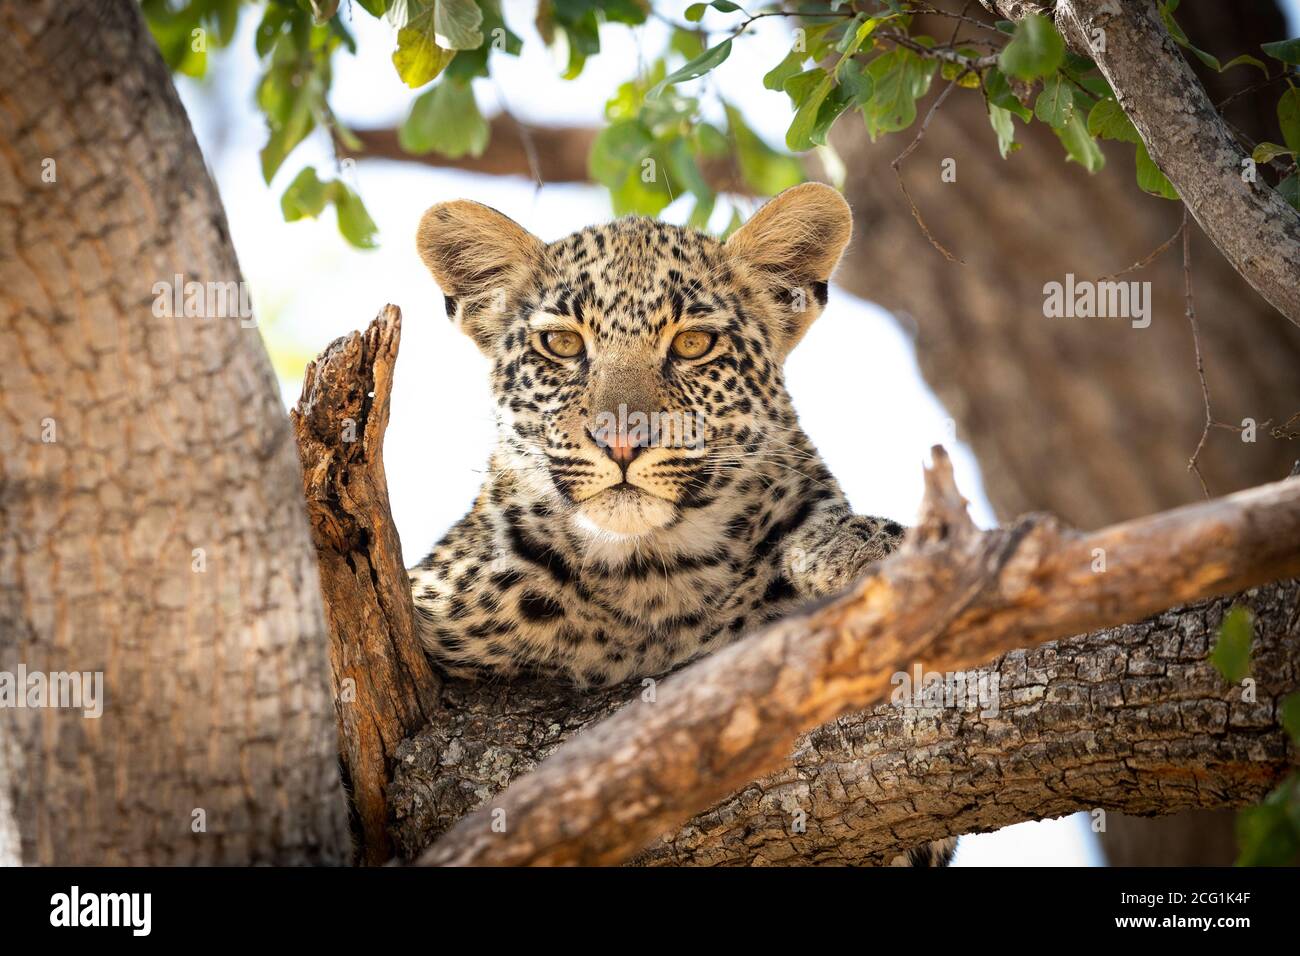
418,57
1107,120
710,142
577,21
688,43
1288,51
1267,835
1231,653
1208,59
1055,104
1289,715
1149,177
1288,117
1267,152
763,168
685,172
174,30
701,212
809,90
856,82
458,22
998,90
836,102
307,197
776,77
1180,37
642,192
617,151
497,37
354,221
900,78
1246,60
955,72
695,12
1035,50
1079,145
1096,85
695,68
1289,189
630,12
446,120
1005,129
290,102
820,100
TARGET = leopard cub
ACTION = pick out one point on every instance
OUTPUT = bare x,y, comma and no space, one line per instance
651,496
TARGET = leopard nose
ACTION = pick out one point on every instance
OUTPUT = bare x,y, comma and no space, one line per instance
620,448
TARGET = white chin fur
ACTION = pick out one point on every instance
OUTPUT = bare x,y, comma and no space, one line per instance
623,513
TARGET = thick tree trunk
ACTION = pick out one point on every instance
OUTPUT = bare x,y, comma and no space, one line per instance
151,518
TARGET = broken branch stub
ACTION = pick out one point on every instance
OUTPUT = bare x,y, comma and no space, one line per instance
385,689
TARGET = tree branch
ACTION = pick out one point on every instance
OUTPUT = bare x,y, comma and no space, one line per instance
1130,719
1252,225
560,151
952,596
384,687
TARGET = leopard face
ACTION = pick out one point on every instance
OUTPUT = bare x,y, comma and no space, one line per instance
636,366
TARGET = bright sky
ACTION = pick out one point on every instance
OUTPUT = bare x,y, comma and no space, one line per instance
873,430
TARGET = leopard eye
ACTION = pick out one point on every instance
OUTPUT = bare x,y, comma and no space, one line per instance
563,344
692,344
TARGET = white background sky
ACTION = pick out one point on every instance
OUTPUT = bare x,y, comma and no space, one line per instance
873,429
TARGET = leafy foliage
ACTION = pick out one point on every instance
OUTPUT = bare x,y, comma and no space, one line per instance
1269,834
666,126
307,197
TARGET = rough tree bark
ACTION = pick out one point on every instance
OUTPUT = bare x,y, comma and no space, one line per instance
1127,719
151,525
385,689
953,597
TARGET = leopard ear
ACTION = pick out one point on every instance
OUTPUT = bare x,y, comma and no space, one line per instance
792,245
479,258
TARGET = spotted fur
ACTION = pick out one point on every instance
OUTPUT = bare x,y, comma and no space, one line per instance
567,566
